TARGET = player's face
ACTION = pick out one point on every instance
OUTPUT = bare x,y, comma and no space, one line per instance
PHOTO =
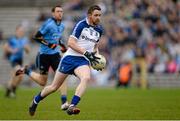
58,13
19,32
95,17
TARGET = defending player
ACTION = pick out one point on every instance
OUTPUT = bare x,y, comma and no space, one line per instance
81,52
49,36
14,50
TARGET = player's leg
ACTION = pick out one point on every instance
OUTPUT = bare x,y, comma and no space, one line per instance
55,59
63,91
14,80
83,72
58,80
43,64
12,85
65,67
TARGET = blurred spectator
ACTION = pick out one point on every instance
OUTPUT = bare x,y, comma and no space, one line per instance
125,74
43,15
73,5
149,27
152,26
14,53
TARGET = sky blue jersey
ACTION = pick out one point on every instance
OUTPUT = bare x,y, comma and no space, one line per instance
17,44
52,33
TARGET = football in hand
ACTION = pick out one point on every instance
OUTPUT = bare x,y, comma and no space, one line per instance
101,62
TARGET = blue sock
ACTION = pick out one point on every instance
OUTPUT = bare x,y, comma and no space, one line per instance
75,100
38,98
63,98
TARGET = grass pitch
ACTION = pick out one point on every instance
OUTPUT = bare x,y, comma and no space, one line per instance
97,104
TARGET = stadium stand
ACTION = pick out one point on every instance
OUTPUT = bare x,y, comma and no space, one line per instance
144,32
10,17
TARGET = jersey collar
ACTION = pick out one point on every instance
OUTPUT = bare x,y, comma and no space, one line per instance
58,24
89,23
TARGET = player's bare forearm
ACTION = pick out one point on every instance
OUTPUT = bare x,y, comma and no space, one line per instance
7,48
73,45
96,48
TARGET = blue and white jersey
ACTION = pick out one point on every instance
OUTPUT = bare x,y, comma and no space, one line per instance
52,32
86,35
17,44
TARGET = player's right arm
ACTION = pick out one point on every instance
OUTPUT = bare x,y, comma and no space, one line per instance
42,31
72,43
39,38
7,49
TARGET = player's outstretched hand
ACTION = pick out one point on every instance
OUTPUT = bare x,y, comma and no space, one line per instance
63,47
91,56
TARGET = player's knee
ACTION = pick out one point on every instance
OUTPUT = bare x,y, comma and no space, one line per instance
85,79
54,88
42,84
20,77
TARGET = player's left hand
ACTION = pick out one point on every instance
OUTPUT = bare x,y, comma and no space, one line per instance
63,47
92,58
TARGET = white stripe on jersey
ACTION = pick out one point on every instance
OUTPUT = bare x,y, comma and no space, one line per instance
74,37
74,31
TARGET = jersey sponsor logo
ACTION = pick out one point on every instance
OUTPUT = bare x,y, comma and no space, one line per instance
88,39
90,34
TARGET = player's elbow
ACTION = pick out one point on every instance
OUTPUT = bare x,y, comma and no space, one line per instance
71,42
42,84
38,34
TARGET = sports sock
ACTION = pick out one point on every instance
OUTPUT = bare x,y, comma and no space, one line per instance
63,98
75,100
38,98
7,92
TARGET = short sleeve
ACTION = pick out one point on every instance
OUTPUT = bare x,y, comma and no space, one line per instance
77,30
44,27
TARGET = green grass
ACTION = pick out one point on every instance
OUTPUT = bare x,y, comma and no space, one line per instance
98,104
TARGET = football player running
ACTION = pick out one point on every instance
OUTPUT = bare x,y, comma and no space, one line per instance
14,50
80,55
49,36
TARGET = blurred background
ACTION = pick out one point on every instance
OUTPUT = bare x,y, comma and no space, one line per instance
141,40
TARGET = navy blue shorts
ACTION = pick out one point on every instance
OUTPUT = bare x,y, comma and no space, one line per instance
69,63
44,61
16,62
